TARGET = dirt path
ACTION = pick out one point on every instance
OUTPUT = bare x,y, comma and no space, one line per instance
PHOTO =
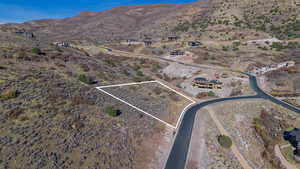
234,148
283,161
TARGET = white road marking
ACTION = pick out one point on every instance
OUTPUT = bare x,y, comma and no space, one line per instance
138,83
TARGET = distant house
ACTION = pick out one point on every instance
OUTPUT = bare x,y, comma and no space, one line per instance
293,137
173,38
274,67
177,53
131,42
61,44
201,82
147,42
264,41
25,34
194,43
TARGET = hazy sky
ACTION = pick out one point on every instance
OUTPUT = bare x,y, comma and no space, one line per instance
25,10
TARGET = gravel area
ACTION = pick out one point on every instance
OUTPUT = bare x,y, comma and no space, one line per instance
205,152
232,115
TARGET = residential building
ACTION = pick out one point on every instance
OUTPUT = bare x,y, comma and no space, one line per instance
147,42
293,137
62,44
173,38
194,43
274,67
201,82
25,34
177,53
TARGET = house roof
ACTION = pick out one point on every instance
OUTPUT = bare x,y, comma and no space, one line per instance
200,79
296,133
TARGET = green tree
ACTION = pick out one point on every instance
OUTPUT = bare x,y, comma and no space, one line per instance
211,94
111,111
225,141
85,79
37,51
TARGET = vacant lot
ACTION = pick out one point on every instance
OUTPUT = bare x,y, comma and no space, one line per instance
153,98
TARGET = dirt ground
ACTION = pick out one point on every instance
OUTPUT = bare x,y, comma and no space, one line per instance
205,151
153,98
241,113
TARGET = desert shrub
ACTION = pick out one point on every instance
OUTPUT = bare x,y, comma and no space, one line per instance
136,67
36,51
110,63
9,94
202,95
111,111
148,78
225,141
225,48
15,113
137,79
174,97
182,27
139,73
211,94
277,45
85,79
84,67
236,92
77,124
157,90
236,43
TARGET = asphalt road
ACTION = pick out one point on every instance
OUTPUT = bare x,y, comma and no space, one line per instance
179,151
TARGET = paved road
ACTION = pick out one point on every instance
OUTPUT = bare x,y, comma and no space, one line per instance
179,151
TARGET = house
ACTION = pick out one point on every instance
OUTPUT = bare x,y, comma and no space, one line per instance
147,42
25,34
61,44
274,67
173,38
293,137
201,82
194,43
131,42
177,53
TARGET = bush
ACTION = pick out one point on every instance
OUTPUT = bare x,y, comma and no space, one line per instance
211,94
110,63
277,45
9,94
85,79
224,141
37,51
111,111
236,43
139,73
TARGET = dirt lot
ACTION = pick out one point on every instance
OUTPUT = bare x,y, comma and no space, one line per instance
154,99
205,151
233,83
242,113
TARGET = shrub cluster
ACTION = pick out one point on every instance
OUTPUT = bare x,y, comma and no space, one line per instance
225,141
111,111
85,79
9,94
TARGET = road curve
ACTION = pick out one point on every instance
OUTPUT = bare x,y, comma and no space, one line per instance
179,151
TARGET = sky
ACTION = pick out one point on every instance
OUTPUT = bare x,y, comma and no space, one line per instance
26,10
